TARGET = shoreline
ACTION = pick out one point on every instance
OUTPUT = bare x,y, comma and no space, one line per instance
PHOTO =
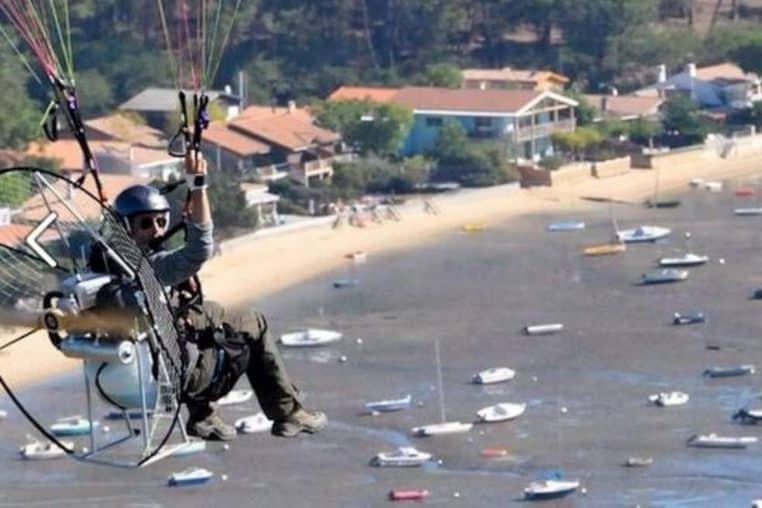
257,265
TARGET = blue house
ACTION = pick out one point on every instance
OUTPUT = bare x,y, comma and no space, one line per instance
523,119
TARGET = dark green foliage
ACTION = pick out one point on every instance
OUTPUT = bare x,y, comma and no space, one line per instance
682,122
295,198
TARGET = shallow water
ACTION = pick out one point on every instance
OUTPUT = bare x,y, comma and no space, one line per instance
475,293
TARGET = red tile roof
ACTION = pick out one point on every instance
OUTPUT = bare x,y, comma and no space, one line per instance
289,131
724,70
626,105
372,93
241,144
462,99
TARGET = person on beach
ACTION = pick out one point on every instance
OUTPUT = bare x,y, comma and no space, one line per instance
221,345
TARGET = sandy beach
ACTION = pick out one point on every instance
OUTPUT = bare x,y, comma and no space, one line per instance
256,265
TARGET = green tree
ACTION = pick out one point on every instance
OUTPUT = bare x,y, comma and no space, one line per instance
681,116
451,141
95,94
441,75
21,115
584,112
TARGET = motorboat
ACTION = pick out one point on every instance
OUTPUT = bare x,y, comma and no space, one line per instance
669,398
310,338
688,318
604,249
439,429
191,447
713,186
404,456
407,494
474,227
493,375
345,283
494,452
664,276
387,405
643,234
549,489
44,450
638,461
72,426
740,370
358,256
253,424
748,416
235,397
689,259
747,212
714,441
757,295
501,412
567,225
662,203
744,192
190,476
696,182
543,329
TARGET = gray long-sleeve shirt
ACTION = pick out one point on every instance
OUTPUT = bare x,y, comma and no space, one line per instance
175,266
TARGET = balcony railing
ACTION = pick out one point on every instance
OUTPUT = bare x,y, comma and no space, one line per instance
272,172
317,166
544,129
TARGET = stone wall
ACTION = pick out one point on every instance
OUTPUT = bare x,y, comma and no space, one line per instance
612,167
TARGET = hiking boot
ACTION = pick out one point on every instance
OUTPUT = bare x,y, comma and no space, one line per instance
211,428
300,420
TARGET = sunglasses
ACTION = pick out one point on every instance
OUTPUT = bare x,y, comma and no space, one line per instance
148,222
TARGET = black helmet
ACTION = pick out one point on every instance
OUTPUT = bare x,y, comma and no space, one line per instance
140,199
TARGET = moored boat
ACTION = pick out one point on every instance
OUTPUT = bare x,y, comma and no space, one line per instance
740,370
748,416
189,448
543,329
345,283
493,375
638,461
747,212
474,227
713,186
643,234
190,476
235,397
44,450
663,276
566,225
390,404
604,249
669,398
310,338
688,318
688,259
744,192
252,424
439,429
712,440
404,456
501,412
549,489
72,426
407,494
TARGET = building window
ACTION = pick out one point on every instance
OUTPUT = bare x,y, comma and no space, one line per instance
481,122
433,122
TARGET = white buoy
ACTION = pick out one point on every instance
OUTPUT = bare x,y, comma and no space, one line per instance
358,340
226,447
534,378
583,490
440,462
564,410
687,234
106,428
343,359
224,477
456,494
721,261
544,329
375,413
420,403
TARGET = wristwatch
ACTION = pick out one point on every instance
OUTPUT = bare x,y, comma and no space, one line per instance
195,181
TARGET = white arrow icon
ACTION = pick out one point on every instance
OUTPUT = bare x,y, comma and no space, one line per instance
31,239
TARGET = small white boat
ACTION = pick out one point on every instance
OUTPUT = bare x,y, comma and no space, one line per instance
193,446
756,503
493,375
713,186
548,489
190,476
3,414
696,182
714,441
689,259
740,370
345,283
310,338
358,256
501,412
44,450
669,398
691,318
568,225
72,426
643,234
387,405
253,424
545,329
638,461
235,397
664,276
747,212
404,456
439,429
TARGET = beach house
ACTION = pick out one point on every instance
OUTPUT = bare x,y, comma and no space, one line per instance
266,143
